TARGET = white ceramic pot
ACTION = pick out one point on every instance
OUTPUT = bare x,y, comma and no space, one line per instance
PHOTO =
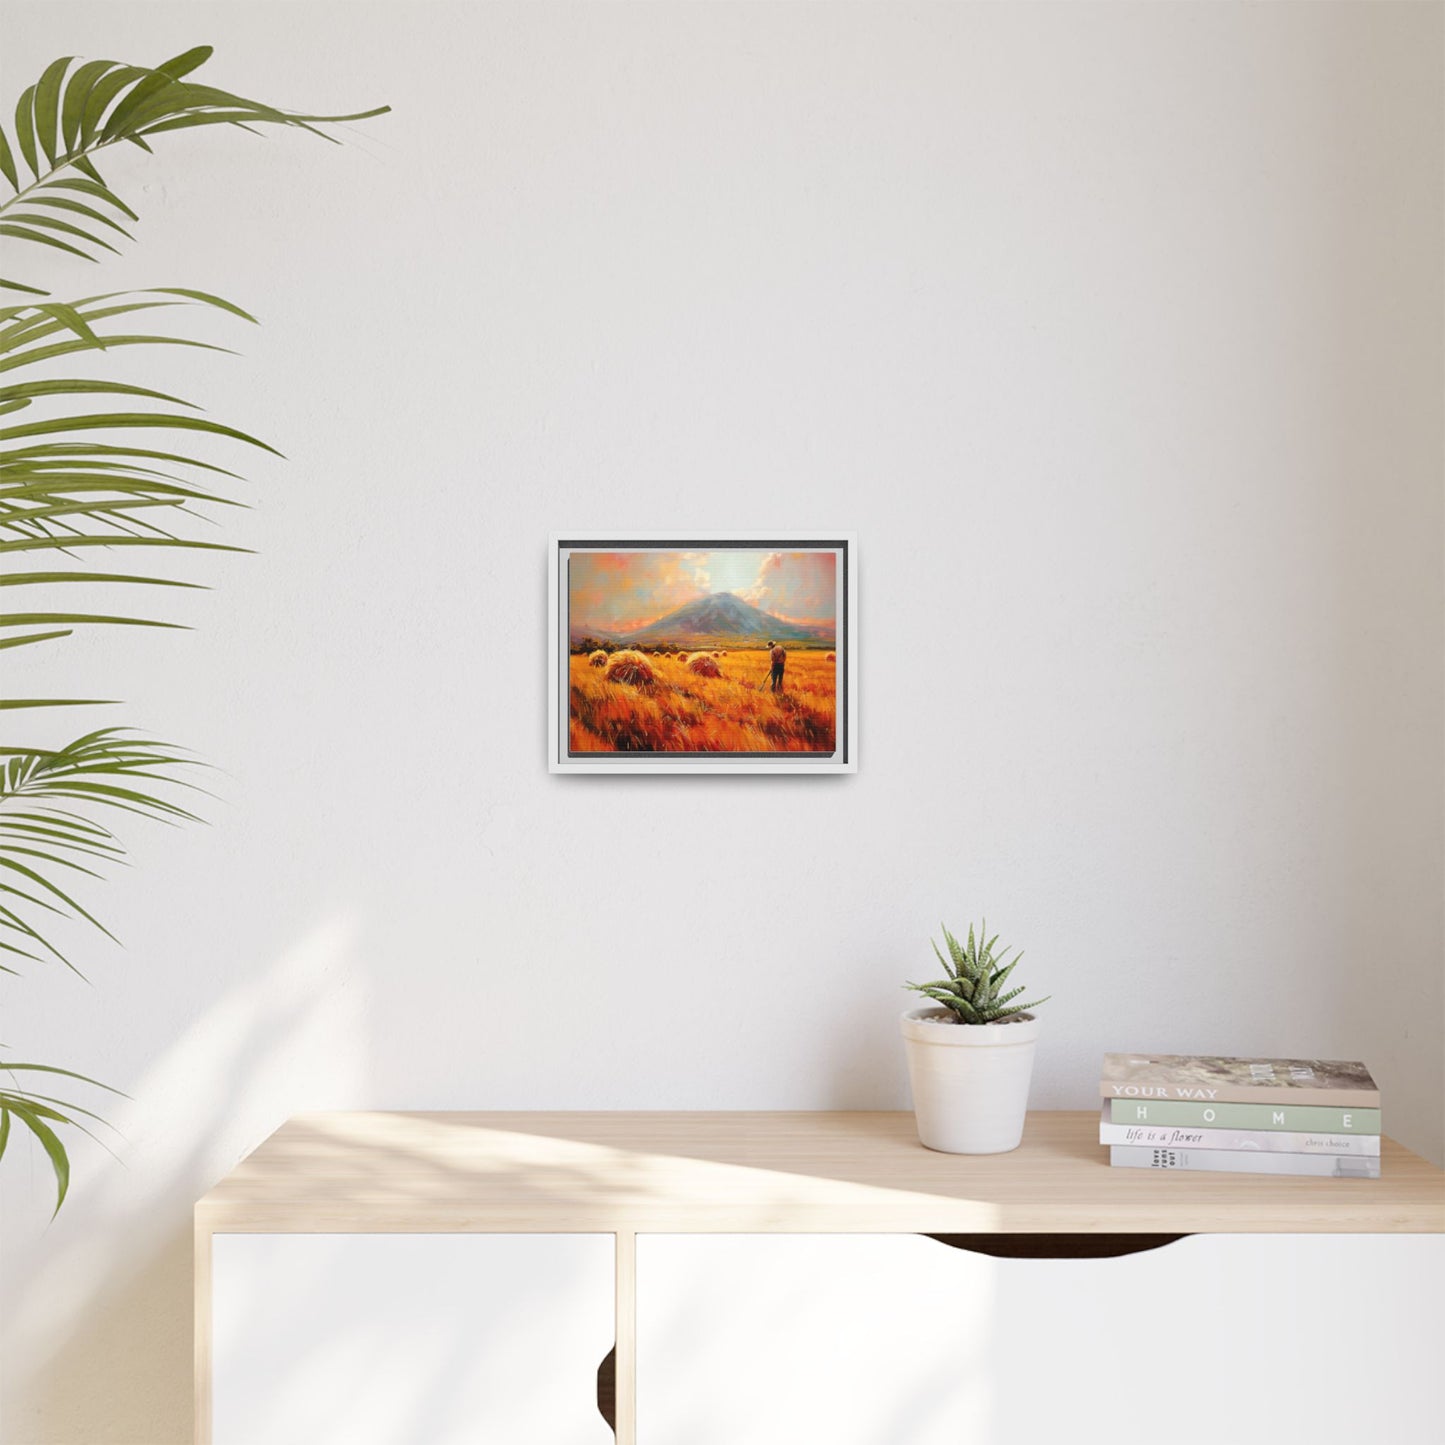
970,1081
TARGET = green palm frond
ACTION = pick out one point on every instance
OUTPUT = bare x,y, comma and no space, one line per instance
40,1113
46,832
92,472
60,200
63,491
974,990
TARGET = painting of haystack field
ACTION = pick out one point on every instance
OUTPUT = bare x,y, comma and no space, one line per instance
728,651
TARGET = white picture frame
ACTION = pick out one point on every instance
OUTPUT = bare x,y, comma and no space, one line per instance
843,758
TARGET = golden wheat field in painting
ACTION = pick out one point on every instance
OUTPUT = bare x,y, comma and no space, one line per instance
669,702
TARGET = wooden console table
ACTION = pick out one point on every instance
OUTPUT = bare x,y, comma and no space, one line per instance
626,1175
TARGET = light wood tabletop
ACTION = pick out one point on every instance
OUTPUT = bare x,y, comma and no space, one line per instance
684,1172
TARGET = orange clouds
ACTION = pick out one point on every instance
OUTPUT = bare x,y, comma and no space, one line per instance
797,586
618,591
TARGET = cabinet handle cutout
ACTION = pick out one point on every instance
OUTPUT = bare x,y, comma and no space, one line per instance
607,1389
1056,1246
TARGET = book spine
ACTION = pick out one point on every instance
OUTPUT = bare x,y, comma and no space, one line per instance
1297,1118
1230,1161
1266,1141
1240,1094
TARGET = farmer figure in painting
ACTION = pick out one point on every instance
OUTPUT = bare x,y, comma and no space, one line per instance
777,657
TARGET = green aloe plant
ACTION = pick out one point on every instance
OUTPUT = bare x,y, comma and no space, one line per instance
974,987
92,471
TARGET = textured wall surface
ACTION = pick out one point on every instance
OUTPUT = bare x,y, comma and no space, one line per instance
1113,332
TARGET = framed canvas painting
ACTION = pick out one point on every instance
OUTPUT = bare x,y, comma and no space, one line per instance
703,654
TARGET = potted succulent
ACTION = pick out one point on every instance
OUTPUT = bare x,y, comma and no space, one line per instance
970,1058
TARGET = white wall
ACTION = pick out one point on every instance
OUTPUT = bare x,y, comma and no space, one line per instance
1114,332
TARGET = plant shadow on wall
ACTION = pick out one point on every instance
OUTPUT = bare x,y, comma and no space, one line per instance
96,1335
92,472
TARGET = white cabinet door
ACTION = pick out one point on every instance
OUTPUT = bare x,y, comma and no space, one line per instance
900,1340
400,1339
806,1340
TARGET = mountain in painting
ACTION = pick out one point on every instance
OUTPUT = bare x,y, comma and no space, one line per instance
724,616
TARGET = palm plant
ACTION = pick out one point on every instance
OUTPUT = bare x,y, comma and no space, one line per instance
76,483
974,987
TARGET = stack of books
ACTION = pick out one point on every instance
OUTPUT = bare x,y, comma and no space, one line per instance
1241,1116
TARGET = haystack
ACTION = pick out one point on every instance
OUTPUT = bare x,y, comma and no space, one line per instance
703,666
629,667
832,657
598,658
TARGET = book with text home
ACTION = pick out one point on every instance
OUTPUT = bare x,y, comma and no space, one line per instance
1301,1118
1241,1081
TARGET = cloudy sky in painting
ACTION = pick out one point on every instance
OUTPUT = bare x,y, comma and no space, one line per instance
620,591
